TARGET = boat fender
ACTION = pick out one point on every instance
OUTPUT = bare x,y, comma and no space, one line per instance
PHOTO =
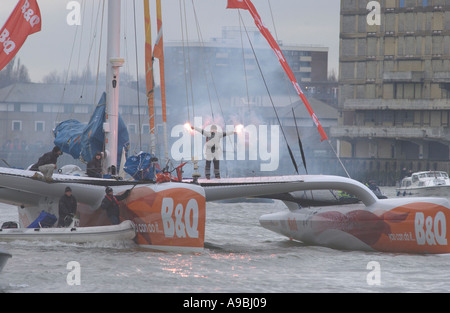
37,229
73,229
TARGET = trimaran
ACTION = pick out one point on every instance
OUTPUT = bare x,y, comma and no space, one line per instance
171,215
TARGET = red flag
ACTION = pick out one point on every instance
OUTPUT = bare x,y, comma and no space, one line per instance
24,20
237,4
248,5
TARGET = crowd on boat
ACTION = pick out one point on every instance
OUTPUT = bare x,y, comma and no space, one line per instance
47,164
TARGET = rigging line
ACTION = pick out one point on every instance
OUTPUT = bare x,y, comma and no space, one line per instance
185,76
189,61
200,39
68,66
127,65
184,63
99,54
94,35
137,77
301,150
287,82
208,64
300,145
71,56
58,115
271,101
81,38
339,159
243,60
273,20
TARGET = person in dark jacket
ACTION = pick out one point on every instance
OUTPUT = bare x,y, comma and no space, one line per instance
67,208
94,167
111,204
47,163
213,148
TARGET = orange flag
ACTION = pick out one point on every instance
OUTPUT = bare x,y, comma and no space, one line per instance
24,20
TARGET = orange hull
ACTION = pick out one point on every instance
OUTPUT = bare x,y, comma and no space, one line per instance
414,227
168,216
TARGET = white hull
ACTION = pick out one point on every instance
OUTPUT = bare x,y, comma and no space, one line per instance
434,191
121,232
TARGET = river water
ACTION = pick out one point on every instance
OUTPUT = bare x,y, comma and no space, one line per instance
240,257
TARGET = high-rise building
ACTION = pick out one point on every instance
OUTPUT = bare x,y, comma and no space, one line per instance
394,81
234,63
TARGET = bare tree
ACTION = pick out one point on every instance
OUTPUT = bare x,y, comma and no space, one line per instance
14,73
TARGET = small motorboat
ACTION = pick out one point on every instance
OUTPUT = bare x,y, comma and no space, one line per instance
4,256
72,234
425,184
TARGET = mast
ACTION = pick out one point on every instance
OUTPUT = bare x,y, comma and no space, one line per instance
149,75
114,62
159,53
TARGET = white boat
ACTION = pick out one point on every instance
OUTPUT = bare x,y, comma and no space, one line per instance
425,184
121,232
4,257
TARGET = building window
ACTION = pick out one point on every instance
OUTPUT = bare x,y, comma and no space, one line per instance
81,109
16,125
39,126
404,117
407,91
145,129
402,3
424,3
132,128
28,108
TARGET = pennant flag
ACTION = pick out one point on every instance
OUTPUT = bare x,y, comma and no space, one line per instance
237,4
24,20
248,5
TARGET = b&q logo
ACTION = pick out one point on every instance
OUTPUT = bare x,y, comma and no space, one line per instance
180,221
429,230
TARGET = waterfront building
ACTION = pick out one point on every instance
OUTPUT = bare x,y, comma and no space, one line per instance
394,81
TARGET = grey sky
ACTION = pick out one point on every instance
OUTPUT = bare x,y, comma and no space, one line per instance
299,22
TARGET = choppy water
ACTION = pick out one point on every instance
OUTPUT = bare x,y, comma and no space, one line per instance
241,256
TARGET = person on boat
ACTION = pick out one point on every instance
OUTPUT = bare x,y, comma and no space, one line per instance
67,208
110,203
94,167
47,163
213,148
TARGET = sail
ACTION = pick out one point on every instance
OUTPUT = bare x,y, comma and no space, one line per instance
143,166
23,21
248,5
82,141
149,74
